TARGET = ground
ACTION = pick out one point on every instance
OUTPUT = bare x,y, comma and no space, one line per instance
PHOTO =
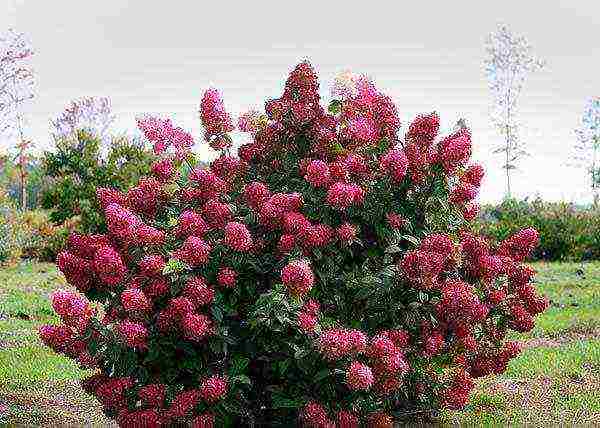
555,380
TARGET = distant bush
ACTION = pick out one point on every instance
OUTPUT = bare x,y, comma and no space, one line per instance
567,231
79,167
46,239
29,234
15,233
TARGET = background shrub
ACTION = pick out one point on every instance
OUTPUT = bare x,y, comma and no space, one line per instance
78,168
567,231
15,234
47,239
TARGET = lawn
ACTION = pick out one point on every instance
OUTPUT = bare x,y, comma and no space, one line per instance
555,380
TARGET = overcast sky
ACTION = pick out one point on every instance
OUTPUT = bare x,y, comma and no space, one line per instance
157,56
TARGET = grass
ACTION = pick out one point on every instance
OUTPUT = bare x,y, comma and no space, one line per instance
37,386
556,379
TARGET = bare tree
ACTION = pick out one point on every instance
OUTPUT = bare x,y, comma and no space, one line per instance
508,62
91,114
587,148
16,87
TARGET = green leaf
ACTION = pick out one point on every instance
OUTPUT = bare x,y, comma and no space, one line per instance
322,374
412,239
335,106
174,266
243,379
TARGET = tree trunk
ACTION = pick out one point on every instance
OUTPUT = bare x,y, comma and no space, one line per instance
22,164
23,188
507,165
508,194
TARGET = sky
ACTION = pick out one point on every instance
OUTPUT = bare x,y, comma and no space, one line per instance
159,57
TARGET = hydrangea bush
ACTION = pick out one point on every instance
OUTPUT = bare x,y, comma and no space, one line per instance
325,276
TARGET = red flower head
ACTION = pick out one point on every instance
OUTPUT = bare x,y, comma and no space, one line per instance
215,119
228,167
394,164
109,266
152,395
438,243
307,321
286,243
152,265
134,300
456,395
144,199
334,344
455,150
194,251
338,171
76,270
298,277
470,211
213,389
522,320
317,173
347,233
463,193
216,213
362,130
198,292
195,326
314,416
56,337
227,277
156,288
205,420
107,197
424,129
343,195
184,403
72,308
134,334
238,237
473,175
256,194
148,418
164,169
346,419
359,376
157,130
520,245
191,223
355,165
423,267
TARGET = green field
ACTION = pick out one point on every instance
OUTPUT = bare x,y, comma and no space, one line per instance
556,380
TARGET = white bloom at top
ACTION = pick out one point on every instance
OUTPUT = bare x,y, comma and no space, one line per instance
344,85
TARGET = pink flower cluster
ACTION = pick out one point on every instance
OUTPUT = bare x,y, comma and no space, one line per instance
368,116
216,121
298,277
162,134
314,415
